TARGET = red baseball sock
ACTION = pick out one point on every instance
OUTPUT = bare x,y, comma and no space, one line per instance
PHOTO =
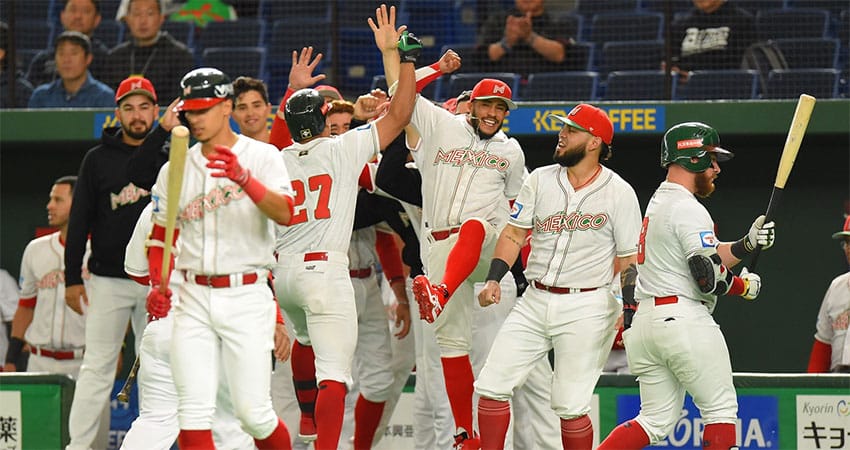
719,436
457,373
195,440
367,416
577,434
278,440
303,362
493,419
330,405
464,255
626,436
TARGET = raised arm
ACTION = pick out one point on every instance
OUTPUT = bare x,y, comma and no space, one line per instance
300,77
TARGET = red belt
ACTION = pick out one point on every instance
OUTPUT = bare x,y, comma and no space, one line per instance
55,354
222,281
560,290
316,256
669,300
444,234
360,273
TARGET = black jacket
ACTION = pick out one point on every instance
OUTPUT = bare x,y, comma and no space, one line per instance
163,63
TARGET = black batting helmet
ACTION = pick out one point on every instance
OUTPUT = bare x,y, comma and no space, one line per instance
204,88
305,114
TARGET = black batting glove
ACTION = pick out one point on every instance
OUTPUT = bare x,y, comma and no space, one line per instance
628,315
409,47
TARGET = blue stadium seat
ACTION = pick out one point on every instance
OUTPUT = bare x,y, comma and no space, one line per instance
274,10
589,8
571,24
28,9
463,81
792,23
246,32
560,86
353,13
626,26
754,6
678,6
437,23
33,34
110,32
182,31
809,53
631,55
580,56
719,84
820,83
287,36
236,61
358,60
637,85
833,6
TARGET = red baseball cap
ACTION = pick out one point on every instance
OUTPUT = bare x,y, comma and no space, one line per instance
135,85
329,91
591,119
844,232
491,88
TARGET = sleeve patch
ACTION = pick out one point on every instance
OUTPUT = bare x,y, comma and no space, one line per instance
155,201
707,239
516,209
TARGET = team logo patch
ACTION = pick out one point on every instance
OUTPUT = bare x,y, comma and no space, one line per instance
516,209
155,201
688,143
707,239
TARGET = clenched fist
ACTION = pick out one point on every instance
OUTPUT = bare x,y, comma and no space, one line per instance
158,304
752,284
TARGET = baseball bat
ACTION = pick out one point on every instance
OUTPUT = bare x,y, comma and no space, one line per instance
802,114
176,166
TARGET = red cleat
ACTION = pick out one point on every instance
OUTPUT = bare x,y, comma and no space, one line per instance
431,299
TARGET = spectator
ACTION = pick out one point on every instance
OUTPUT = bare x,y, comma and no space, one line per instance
831,350
525,40
22,88
252,108
339,116
77,15
713,35
76,87
150,52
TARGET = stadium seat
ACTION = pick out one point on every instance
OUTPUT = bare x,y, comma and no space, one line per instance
274,10
754,6
809,53
182,31
247,32
358,60
28,9
429,91
637,85
579,56
679,6
589,8
33,34
571,24
287,36
626,26
820,83
110,32
436,23
463,81
631,55
560,86
719,84
236,61
833,6
792,23
468,53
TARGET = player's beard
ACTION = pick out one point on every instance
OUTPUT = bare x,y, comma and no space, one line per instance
475,122
128,130
570,157
704,185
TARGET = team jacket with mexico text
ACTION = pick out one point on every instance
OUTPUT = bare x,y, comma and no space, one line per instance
106,205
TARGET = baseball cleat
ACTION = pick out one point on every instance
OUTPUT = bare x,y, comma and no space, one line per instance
307,429
429,297
464,442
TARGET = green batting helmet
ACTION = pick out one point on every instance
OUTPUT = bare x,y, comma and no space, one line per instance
692,140
305,114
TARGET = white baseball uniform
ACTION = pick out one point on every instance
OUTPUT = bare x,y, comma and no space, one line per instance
57,334
833,318
674,320
156,427
9,297
311,278
575,236
226,314
464,178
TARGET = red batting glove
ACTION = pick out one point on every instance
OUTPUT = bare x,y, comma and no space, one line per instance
158,304
226,164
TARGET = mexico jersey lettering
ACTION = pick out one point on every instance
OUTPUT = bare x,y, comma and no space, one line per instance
675,225
324,176
464,176
576,234
222,230
54,324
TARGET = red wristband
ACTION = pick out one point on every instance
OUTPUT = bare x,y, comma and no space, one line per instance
255,190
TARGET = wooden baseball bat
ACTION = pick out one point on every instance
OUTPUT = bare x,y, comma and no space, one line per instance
176,166
802,114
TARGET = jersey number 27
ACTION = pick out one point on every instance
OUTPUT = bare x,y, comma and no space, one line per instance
321,183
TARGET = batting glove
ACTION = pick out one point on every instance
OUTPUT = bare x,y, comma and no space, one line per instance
225,164
409,47
158,304
752,284
761,234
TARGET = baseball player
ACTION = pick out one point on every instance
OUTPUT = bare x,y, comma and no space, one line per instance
106,206
233,188
55,334
831,349
312,278
156,427
252,108
581,215
673,344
